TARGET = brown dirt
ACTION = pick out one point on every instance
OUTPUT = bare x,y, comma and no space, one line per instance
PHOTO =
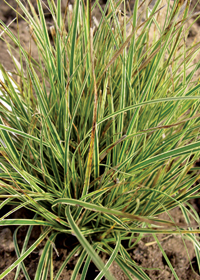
146,254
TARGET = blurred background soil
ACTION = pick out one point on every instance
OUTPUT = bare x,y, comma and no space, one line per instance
147,254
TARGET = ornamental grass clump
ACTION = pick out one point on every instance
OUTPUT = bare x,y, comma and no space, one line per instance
100,133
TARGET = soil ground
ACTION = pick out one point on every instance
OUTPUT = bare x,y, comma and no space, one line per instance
146,254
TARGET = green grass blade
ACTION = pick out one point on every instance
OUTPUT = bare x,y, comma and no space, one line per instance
96,259
30,249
